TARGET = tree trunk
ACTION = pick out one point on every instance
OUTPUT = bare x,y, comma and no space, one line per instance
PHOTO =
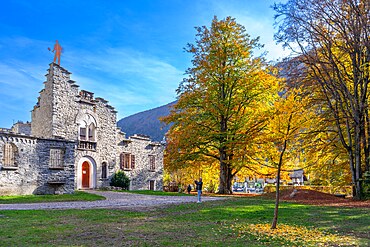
367,135
225,179
276,210
357,167
225,173
222,188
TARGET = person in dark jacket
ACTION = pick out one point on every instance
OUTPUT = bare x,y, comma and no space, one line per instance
189,188
199,189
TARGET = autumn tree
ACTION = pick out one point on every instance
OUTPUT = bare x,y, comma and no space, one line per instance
324,158
223,103
286,136
331,40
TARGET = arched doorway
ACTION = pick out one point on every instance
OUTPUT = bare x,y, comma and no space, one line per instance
85,174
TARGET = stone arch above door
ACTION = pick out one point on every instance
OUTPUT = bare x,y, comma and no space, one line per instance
81,179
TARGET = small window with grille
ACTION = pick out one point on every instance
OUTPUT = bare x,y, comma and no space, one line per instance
56,160
151,162
10,153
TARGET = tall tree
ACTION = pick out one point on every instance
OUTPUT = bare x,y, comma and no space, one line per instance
331,38
286,135
223,103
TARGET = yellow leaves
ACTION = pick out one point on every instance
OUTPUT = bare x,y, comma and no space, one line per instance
295,235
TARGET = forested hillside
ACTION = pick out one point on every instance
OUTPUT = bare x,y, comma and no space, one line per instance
146,123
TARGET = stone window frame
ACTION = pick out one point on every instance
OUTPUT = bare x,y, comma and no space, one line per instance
87,130
56,158
104,171
127,161
82,134
151,162
91,130
132,161
10,156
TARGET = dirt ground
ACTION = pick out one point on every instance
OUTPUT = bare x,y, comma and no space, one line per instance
318,198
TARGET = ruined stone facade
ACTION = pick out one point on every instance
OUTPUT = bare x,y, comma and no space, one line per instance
142,161
28,168
72,125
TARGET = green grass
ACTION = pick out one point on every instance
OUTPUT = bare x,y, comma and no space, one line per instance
157,193
217,223
76,196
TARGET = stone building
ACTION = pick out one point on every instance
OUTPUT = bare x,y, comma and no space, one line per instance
72,143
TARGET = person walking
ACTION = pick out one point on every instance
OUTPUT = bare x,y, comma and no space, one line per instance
199,189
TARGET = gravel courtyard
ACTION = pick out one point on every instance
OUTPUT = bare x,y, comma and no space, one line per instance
113,200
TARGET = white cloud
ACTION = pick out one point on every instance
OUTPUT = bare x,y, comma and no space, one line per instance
127,78
18,81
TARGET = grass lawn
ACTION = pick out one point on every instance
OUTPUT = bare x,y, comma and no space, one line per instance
77,196
231,222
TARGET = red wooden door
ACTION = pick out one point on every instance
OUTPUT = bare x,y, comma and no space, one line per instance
85,175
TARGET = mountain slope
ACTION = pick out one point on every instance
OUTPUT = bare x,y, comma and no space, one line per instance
147,123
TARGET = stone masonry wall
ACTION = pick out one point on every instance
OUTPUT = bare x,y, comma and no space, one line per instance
55,180
21,128
141,175
60,106
22,179
56,109
41,115
56,119
106,139
66,104
32,174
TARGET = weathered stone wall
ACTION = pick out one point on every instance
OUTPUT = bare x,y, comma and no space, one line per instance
54,114
53,180
23,178
66,104
106,136
65,107
41,115
56,119
32,174
106,139
21,128
141,175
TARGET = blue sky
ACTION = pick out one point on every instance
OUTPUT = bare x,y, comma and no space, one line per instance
129,52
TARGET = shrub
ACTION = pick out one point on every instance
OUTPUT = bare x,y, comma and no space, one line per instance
120,179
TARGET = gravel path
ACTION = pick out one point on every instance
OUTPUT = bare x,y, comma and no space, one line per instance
113,200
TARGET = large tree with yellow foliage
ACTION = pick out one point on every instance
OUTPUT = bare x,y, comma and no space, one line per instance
286,136
331,39
223,104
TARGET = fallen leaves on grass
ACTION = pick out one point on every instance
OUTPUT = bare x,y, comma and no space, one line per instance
293,235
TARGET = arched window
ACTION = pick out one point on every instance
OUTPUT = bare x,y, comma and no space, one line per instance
83,131
87,127
92,132
104,170
87,131
9,155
